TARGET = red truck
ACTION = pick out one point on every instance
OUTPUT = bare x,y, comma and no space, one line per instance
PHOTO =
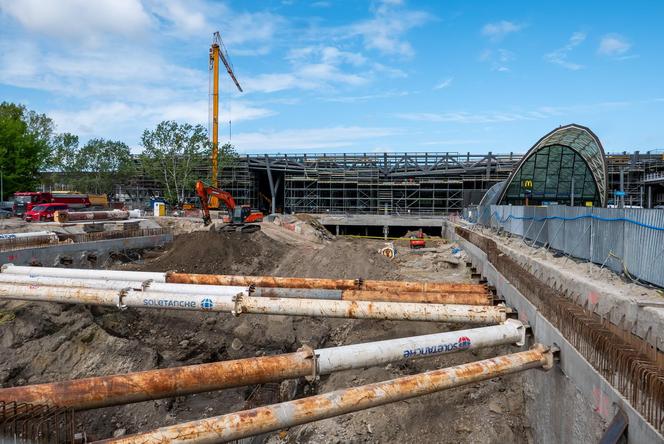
44,212
24,201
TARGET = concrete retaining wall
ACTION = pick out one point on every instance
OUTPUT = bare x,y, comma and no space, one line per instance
572,402
81,255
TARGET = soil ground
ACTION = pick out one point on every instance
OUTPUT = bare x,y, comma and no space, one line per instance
49,342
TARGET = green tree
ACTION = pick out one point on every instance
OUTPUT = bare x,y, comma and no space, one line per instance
172,151
25,138
62,164
103,163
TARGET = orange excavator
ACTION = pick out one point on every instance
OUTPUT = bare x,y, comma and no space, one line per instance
240,218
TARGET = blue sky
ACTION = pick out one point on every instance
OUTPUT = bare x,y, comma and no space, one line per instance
334,76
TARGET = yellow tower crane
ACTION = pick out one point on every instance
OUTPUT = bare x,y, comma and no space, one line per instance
218,51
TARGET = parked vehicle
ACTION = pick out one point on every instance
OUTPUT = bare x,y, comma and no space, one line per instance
25,201
44,212
4,214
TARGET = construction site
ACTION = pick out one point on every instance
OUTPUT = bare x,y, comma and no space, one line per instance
437,297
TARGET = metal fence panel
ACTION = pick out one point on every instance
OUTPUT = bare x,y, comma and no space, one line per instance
644,246
556,227
617,238
539,233
607,237
577,232
527,214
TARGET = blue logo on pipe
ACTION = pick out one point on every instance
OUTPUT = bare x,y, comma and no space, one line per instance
207,304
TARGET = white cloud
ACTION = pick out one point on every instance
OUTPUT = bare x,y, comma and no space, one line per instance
467,117
499,59
316,67
81,21
613,45
106,119
310,138
367,97
560,55
385,31
498,30
444,83
542,112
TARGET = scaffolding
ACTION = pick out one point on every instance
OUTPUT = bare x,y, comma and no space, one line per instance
393,183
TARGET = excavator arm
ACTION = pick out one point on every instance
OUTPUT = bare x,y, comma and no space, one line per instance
204,192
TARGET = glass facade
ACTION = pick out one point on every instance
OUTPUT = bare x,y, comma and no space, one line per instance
565,166
549,176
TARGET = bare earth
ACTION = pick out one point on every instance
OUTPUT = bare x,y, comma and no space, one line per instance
48,342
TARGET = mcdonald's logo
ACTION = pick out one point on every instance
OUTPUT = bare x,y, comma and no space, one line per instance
527,184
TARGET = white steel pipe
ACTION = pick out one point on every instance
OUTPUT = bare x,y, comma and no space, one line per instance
234,426
242,303
108,284
104,391
45,234
80,273
347,357
473,314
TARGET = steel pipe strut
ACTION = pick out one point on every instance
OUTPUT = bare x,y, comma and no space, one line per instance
104,391
303,293
337,284
246,281
273,417
242,303
108,284
479,298
80,273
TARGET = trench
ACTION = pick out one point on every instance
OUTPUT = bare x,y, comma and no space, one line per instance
136,340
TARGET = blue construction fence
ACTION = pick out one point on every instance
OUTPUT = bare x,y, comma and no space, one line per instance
626,240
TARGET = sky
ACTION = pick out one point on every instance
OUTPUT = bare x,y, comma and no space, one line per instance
343,76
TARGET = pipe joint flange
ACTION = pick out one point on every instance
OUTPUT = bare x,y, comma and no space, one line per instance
237,305
121,294
311,354
521,328
251,289
551,355
359,283
145,284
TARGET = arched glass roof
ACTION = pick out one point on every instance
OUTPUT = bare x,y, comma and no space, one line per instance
567,161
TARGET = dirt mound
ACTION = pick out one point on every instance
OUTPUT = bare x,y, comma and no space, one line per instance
220,253
340,259
258,254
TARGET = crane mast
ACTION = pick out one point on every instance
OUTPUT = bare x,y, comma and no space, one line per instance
218,52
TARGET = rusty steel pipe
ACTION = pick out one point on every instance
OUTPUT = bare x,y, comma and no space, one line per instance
104,391
336,284
71,216
246,281
273,417
242,303
479,298
302,293
484,298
